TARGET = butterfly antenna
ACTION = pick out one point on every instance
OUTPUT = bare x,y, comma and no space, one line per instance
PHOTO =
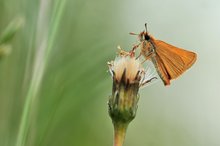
132,33
145,26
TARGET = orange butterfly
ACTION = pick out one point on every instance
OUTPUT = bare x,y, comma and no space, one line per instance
169,61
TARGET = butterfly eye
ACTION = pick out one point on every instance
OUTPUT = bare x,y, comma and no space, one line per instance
146,37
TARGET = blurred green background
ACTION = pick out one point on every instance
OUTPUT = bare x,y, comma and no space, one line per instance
57,71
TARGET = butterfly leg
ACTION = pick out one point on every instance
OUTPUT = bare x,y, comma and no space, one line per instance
142,84
123,52
135,46
138,56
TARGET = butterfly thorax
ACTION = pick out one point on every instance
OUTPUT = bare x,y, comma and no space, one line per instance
146,44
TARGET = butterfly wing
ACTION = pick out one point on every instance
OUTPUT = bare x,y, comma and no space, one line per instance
161,70
175,60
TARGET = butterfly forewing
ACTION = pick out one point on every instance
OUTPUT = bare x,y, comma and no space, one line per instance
175,60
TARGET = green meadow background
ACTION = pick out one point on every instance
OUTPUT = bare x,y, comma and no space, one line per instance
54,83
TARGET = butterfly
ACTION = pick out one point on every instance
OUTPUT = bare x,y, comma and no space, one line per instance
170,61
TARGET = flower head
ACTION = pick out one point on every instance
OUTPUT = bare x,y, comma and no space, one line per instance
128,76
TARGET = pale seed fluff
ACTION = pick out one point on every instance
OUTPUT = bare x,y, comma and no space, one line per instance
133,69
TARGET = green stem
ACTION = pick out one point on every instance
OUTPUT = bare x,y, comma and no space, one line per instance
119,133
59,8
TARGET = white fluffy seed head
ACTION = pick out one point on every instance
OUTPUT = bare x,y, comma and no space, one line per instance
133,68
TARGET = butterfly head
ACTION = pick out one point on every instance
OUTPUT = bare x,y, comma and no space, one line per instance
143,36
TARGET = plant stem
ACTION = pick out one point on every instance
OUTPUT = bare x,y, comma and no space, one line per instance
119,133
44,45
